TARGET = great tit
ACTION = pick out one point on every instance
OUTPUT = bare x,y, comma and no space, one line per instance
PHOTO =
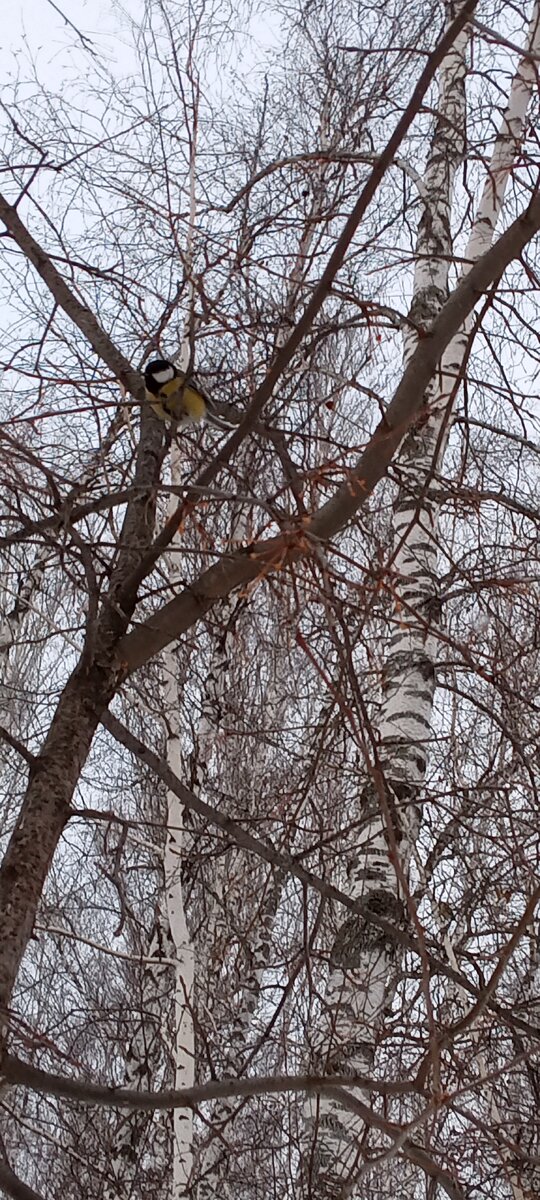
172,395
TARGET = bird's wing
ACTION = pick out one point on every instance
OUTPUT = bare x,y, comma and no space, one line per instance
171,396
193,402
178,399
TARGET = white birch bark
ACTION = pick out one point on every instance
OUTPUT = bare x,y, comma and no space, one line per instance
19,660
144,1062
13,619
362,960
237,1025
184,1032
408,690
183,1048
174,922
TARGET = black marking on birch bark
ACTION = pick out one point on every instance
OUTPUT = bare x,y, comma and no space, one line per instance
424,543
425,305
417,598
433,608
401,748
358,937
343,1060
329,1175
414,492
405,792
330,1120
407,661
396,638
419,442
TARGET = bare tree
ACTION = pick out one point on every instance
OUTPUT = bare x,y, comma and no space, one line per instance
312,912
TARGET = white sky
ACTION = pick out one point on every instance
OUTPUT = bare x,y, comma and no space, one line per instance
35,26
33,32
32,29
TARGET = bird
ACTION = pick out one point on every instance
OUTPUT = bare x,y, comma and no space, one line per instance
174,396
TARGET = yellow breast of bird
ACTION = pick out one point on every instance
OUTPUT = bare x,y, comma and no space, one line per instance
181,399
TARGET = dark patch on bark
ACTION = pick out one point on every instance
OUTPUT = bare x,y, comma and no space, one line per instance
358,936
344,1059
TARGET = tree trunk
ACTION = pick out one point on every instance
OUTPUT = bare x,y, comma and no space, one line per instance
55,772
362,961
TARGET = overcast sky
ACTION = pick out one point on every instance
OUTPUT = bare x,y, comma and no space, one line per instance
33,28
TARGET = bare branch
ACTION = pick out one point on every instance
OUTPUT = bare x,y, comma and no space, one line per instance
18,1072
79,313
285,862
264,557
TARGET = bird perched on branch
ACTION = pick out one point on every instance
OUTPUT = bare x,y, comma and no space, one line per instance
176,397
173,395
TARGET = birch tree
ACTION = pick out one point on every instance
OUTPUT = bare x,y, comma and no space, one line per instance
361,959
287,658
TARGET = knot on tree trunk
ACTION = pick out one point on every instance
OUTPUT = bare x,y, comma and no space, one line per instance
358,936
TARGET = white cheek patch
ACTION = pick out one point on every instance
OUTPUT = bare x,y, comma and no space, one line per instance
164,376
